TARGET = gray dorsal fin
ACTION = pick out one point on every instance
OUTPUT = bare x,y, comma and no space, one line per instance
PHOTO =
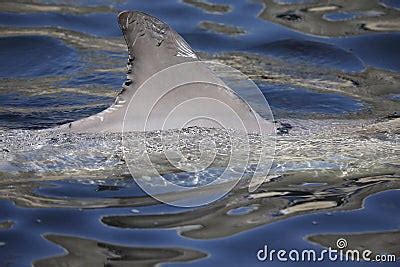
136,25
150,40
153,48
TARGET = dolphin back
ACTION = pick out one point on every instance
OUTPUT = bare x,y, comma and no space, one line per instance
166,81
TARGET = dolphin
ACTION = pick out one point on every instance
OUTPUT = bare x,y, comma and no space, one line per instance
160,59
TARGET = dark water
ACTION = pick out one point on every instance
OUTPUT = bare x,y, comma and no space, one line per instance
61,62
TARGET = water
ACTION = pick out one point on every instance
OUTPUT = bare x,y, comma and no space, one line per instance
332,84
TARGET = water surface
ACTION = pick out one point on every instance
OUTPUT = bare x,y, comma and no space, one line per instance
329,70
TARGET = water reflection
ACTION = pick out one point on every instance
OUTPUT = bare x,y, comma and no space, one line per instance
70,200
315,17
86,252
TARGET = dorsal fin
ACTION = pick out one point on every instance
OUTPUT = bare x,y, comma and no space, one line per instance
150,40
154,48
136,25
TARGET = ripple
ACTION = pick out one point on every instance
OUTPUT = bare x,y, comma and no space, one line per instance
87,252
43,56
221,28
395,4
90,189
343,16
311,18
295,99
99,24
395,97
242,210
21,111
313,53
77,188
38,7
291,2
209,7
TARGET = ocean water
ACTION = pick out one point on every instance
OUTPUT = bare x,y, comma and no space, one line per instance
329,71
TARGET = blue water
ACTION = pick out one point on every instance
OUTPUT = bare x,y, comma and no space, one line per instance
300,100
54,69
24,243
42,57
318,54
391,3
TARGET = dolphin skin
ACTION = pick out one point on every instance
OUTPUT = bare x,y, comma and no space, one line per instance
160,59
